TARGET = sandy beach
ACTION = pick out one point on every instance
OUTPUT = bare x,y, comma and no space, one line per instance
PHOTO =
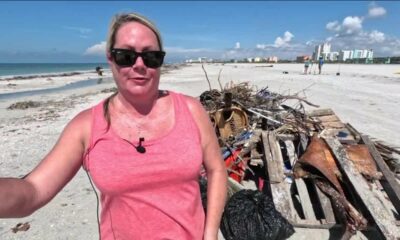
367,96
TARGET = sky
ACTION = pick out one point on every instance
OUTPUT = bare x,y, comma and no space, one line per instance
75,31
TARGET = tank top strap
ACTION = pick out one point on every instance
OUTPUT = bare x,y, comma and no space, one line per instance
98,129
184,116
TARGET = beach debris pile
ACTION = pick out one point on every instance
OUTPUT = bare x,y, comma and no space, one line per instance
315,168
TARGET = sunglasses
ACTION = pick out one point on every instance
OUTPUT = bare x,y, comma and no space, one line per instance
127,57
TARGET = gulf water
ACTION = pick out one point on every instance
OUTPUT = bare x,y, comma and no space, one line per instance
26,69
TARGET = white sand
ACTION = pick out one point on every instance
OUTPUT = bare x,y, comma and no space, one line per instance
366,96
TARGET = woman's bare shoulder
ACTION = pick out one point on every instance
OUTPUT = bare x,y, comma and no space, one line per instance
193,104
80,126
197,110
83,118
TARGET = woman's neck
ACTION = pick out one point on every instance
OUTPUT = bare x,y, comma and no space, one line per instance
139,106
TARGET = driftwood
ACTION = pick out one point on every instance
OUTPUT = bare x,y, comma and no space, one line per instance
208,80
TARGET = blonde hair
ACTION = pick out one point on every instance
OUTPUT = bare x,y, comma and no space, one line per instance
119,19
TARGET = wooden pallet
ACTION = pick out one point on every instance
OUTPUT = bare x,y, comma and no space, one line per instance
305,206
298,200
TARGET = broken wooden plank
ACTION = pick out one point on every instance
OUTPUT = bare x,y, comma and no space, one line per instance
328,118
342,134
333,124
329,226
326,206
321,112
275,163
284,137
387,174
305,200
279,188
353,131
373,202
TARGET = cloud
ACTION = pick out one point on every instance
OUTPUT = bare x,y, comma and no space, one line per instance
346,34
376,36
237,45
349,34
283,41
96,50
382,44
280,42
375,11
290,51
263,46
352,24
333,26
185,50
81,30
180,53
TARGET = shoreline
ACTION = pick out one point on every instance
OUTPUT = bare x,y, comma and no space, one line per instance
42,75
27,76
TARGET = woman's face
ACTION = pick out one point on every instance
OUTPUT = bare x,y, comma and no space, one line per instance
136,80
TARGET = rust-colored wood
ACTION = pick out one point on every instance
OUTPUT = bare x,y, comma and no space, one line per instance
383,218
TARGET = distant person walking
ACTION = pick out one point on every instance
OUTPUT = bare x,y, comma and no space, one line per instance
306,65
99,70
320,63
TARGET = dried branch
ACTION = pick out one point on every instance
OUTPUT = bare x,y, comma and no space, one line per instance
209,84
219,75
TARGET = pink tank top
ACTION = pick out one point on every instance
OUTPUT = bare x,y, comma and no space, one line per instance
147,196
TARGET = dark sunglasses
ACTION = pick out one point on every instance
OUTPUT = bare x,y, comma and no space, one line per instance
127,57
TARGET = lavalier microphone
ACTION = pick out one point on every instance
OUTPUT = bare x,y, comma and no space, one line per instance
140,148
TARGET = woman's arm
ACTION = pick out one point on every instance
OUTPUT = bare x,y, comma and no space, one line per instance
21,197
215,167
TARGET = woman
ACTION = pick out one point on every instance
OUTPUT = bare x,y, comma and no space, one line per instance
142,147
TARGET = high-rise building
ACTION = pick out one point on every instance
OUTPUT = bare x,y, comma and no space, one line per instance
272,59
322,51
331,56
345,54
356,54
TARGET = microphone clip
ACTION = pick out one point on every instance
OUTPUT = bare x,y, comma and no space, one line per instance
140,148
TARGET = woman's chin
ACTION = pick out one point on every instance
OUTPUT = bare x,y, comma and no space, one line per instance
138,91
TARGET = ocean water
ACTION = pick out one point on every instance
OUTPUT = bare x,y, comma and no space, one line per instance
74,85
19,69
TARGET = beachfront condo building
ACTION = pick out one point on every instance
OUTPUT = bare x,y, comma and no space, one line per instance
355,54
322,50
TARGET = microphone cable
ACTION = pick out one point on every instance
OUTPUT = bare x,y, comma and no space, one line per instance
97,201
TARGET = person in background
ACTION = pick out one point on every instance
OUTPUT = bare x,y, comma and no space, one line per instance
143,148
99,70
320,63
306,65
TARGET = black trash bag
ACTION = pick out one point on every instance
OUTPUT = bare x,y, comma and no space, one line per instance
203,192
251,215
